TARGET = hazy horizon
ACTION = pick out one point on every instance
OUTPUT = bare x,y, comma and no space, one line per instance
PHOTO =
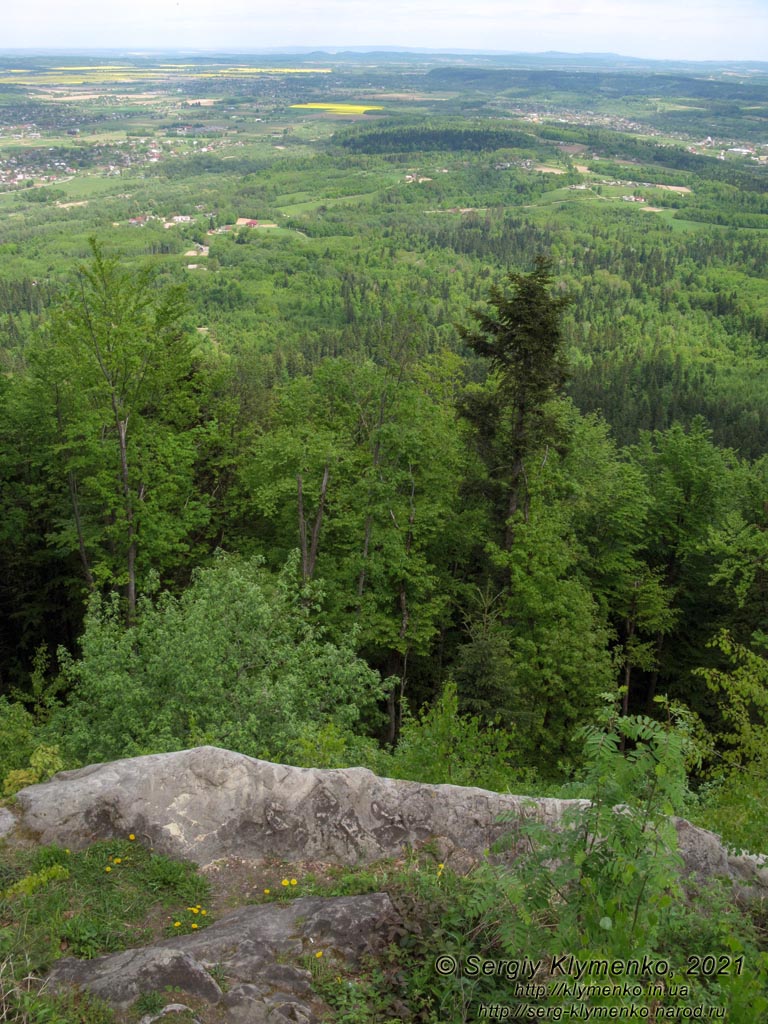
651,30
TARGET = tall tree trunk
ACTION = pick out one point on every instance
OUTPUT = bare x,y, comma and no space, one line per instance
309,550
517,475
654,680
369,518
79,530
630,626
394,670
72,484
122,433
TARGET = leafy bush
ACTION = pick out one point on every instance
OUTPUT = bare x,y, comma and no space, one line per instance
605,886
728,806
441,746
17,736
238,661
44,762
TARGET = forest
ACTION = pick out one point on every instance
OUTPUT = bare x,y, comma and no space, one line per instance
391,413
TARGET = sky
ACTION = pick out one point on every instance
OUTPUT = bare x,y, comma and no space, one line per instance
664,29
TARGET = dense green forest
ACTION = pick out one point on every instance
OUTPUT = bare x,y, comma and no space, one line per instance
399,430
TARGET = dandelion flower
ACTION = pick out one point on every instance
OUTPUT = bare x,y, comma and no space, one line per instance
107,868
194,926
318,954
177,924
118,860
285,882
294,882
131,837
266,892
203,913
194,910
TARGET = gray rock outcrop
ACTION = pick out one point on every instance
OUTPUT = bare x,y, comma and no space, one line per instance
251,947
206,804
209,805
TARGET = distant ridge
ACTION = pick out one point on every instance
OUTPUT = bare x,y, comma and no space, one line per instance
417,56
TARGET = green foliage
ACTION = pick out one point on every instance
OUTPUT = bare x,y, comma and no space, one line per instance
743,699
327,745
605,885
22,1005
91,902
111,383
727,806
442,746
739,769
521,336
149,1003
17,736
614,862
237,661
44,761
31,883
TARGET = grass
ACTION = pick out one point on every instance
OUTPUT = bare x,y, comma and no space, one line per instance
112,896
118,894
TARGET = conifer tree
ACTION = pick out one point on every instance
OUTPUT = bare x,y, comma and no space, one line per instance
522,338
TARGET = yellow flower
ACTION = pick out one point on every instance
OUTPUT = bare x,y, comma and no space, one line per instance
203,912
177,924
266,892
285,882
195,910
107,869
118,860
67,851
131,836
294,882
318,954
194,926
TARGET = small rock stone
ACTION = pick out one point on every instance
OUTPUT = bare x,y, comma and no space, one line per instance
121,978
7,822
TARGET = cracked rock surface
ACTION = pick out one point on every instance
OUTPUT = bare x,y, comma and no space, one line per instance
250,947
209,805
206,804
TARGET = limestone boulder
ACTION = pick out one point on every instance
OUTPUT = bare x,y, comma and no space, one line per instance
206,804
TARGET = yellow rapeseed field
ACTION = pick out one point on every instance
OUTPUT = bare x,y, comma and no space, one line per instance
106,73
336,108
